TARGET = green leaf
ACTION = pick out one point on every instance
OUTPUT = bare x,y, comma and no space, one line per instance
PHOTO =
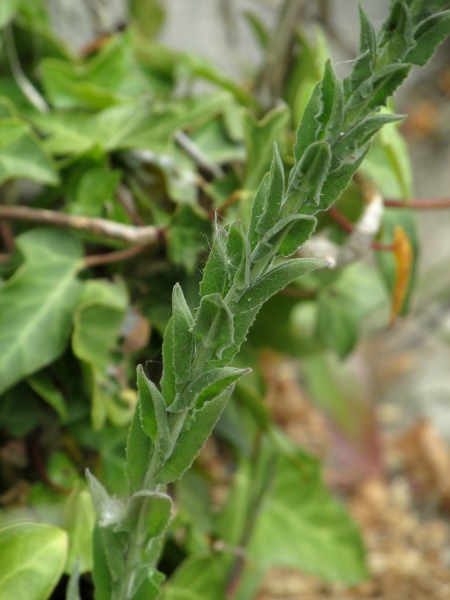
198,578
153,413
73,585
331,115
23,156
101,575
275,280
349,148
285,237
301,526
274,195
98,319
206,387
94,192
428,36
238,256
258,206
8,9
12,130
32,557
375,91
79,520
182,337
214,324
158,508
216,272
37,303
346,304
139,451
42,384
193,438
307,178
167,383
366,61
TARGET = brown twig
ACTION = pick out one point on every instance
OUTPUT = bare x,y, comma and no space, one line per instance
7,236
424,204
136,235
38,462
96,260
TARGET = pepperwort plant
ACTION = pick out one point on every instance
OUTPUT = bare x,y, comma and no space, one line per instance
248,263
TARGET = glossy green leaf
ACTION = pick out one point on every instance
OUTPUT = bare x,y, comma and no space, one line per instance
42,384
32,557
301,526
346,305
23,156
201,577
79,519
37,303
8,9
95,192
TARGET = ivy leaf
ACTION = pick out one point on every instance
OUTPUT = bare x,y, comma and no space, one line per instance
203,575
33,558
79,520
8,9
97,321
37,304
23,156
301,526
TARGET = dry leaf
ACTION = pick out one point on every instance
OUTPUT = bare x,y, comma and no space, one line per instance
403,254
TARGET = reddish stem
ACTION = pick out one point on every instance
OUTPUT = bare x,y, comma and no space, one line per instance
424,204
